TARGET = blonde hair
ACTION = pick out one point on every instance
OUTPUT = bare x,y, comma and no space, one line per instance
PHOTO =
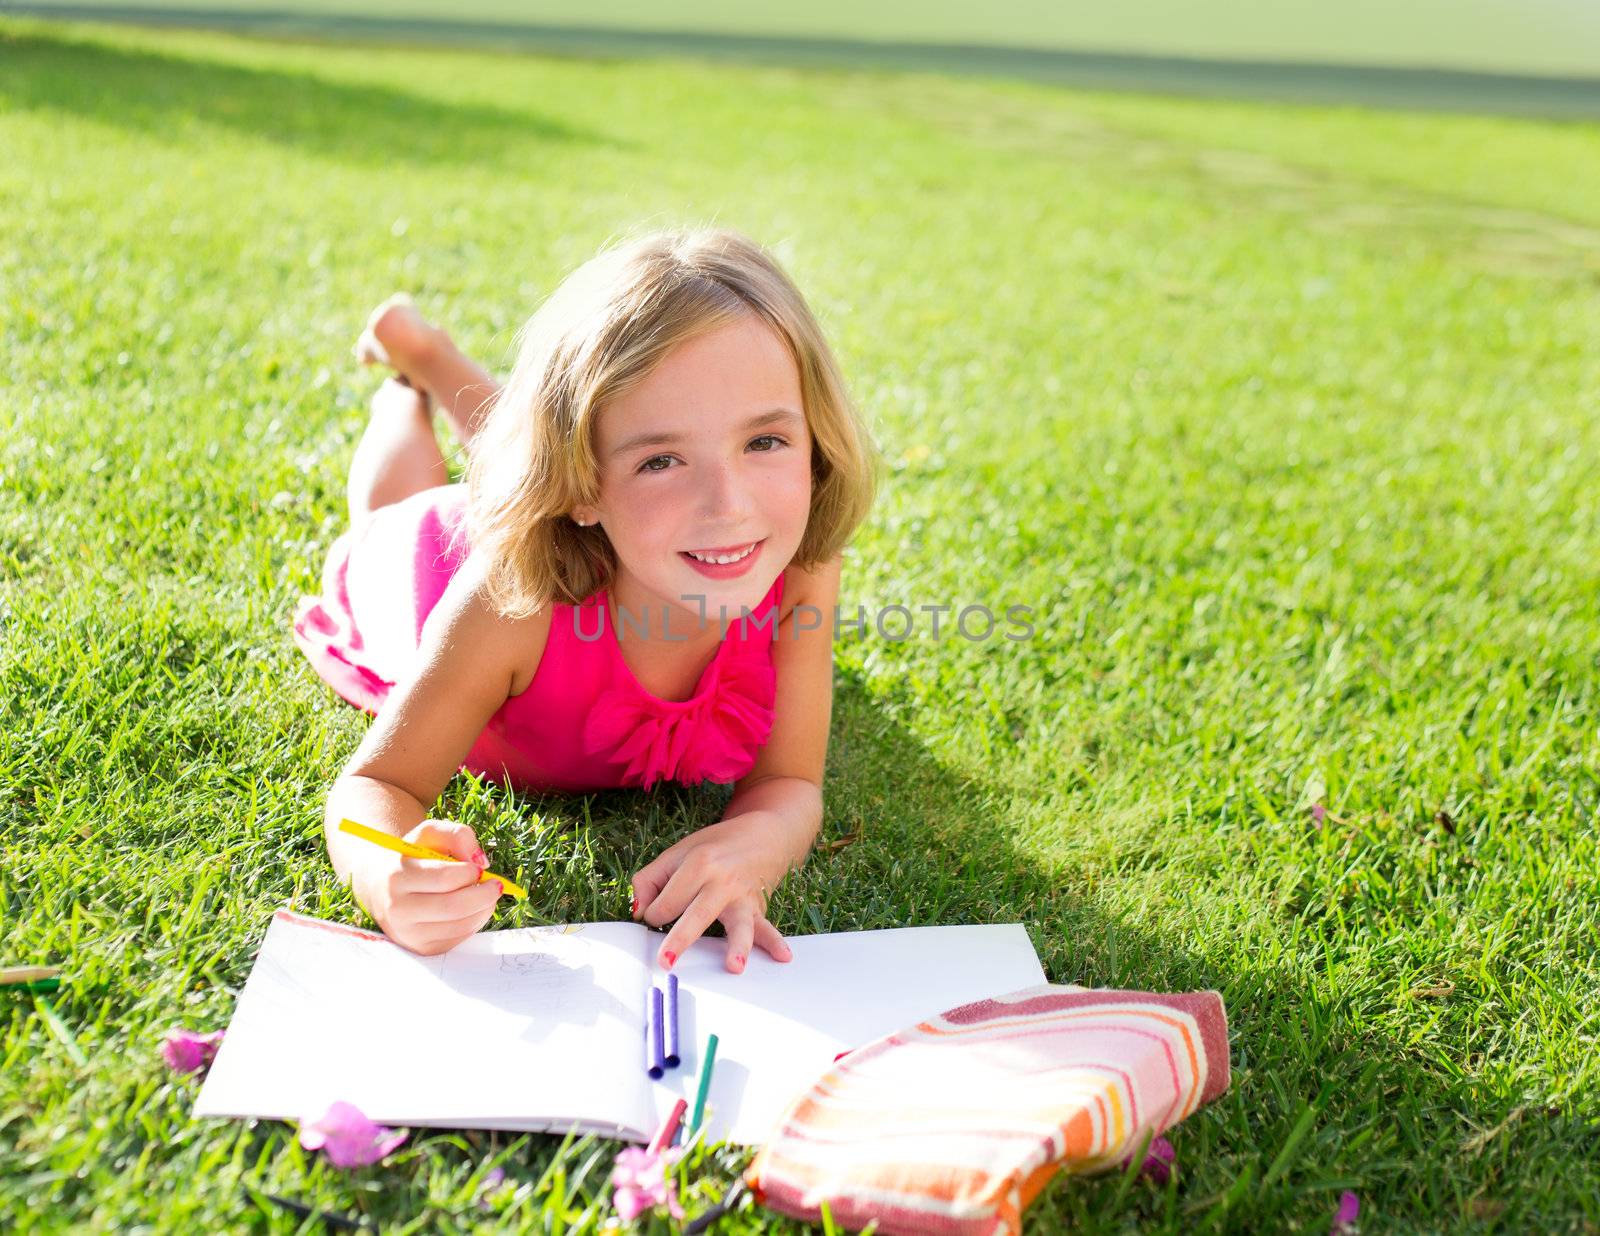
599,334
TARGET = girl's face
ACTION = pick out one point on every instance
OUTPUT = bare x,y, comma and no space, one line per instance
709,455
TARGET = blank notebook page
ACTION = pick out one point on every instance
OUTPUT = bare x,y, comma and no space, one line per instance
779,1025
537,1022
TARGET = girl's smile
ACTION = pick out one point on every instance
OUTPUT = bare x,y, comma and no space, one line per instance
724,564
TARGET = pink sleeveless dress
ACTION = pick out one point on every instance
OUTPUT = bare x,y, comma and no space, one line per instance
584,722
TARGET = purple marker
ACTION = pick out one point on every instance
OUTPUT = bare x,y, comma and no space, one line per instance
672,1059
658,1064
652,1034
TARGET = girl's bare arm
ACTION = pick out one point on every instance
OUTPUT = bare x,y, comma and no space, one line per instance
728,870
466,663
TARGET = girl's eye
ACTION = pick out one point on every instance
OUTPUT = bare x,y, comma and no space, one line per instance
776,440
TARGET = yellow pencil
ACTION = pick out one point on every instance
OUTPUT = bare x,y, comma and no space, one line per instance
391,842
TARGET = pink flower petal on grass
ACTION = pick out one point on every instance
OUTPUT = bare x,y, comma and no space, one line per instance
629,1202
1344,1219
188,1052
641,1180
489,1186
1158,1161
1318,813
348,1138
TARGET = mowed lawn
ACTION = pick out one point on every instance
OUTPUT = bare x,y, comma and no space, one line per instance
1284,422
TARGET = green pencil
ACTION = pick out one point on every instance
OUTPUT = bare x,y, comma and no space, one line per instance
708,1062
36,985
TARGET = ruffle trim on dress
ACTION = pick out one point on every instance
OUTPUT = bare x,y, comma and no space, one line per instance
711,737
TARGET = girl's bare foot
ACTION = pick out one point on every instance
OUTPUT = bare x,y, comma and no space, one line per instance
425,358
398,336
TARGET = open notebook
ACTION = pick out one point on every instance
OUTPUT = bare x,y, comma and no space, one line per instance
542,1028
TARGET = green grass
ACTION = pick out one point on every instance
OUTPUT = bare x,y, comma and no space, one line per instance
1285,422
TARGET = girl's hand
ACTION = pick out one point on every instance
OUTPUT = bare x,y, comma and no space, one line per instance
720,873
424,904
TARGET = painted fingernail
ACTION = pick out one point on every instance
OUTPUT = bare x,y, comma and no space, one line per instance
633,906
500,889
738,961
669,959
479,857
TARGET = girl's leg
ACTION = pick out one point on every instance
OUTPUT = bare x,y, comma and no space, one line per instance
399,336
463,390
398,455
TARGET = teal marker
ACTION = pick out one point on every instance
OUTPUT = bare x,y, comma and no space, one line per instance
708,1062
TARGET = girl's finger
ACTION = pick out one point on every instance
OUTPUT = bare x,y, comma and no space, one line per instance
679,890
433,876
691,925
437,937
434,908
448,837
740,922
650,879
645,891
770,939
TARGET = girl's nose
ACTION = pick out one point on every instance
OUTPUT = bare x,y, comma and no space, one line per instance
727,496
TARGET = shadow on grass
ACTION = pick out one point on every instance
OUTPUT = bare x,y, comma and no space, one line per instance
934,848
357,124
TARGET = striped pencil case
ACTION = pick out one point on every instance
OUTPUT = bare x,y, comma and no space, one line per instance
953,1126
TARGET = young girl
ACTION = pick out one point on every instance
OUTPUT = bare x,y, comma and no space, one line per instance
636,582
